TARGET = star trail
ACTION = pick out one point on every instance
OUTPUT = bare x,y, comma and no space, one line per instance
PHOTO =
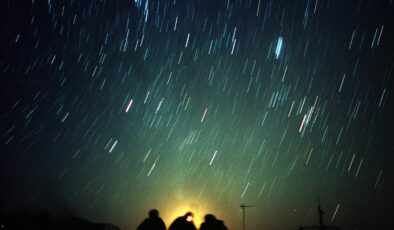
112,108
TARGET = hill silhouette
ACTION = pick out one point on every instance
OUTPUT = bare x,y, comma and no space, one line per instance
28,218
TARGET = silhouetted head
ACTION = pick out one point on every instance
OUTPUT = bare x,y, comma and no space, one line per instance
153,213
189,216
210,218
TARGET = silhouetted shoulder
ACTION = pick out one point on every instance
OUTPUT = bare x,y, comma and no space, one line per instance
221,225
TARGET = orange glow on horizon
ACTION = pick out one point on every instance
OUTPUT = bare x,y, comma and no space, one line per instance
198,217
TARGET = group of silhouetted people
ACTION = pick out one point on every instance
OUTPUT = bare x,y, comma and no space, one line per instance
185,222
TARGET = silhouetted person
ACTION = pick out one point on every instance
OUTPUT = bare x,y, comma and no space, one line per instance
183,223
154,222
211,223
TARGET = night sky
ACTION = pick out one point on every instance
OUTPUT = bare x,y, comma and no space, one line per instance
109,108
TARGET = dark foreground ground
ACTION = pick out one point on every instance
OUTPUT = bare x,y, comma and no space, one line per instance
25,219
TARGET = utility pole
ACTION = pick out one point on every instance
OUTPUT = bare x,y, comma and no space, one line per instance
243,206
321,225
321,213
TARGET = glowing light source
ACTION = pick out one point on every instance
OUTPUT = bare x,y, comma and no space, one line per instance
181,208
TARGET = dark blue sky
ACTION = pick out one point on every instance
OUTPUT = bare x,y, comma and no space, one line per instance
111,108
